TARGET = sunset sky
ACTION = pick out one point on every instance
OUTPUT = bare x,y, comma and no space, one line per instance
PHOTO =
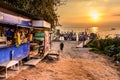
89,11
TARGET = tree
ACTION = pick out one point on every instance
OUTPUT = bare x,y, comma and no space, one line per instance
43,9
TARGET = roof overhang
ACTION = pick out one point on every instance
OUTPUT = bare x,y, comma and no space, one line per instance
41,24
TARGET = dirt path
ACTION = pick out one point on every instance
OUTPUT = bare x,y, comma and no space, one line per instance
74,64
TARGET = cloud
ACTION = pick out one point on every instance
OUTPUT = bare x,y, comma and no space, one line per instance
116,15
76,11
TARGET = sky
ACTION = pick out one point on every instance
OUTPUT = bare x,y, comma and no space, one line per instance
77,12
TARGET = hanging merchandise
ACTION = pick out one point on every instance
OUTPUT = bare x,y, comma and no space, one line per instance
39,36
22,36
30,37
17,38
9,33
0,31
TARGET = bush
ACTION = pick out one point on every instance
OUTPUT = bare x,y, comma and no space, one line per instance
110,50
108,46
92,44
96,50
117,57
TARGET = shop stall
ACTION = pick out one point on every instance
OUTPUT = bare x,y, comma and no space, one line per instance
41,36
14,37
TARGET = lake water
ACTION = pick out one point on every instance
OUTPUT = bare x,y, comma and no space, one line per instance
101,31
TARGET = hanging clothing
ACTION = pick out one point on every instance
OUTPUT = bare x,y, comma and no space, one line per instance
30,37
17,38
9,33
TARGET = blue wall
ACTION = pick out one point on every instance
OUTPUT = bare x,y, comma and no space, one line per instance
19,52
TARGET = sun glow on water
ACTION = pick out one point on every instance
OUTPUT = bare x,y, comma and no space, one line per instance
94,29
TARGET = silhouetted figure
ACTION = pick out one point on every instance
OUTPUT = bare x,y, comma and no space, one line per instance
61,46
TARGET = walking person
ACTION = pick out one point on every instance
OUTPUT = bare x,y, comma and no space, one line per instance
61,49
61,46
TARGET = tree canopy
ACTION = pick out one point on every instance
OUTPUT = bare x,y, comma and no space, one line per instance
43,9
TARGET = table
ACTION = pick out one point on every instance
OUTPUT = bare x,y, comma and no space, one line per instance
53,53
8,64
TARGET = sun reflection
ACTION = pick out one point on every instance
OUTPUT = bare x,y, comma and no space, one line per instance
94,29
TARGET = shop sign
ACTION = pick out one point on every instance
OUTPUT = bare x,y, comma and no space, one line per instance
41,23
26,23
11,19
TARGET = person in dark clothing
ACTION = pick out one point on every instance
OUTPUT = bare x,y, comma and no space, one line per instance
61,46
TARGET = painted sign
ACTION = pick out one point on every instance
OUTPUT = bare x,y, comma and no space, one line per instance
47,41
10,19
25,22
